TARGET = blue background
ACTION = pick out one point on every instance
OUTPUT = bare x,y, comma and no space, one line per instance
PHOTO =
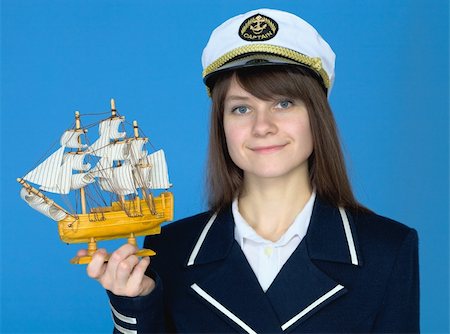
391,101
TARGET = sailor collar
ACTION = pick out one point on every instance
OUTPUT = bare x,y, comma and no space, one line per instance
331,236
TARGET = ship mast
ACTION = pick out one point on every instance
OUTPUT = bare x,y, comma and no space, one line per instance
113,108
136,136
82,191
147,197
136,129
114,115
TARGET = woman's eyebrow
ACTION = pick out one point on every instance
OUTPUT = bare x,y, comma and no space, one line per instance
236,98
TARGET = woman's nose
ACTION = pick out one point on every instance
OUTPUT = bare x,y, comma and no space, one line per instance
263,123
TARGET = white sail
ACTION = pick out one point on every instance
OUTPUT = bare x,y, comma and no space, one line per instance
159,174
70,139
122,180
113,128
64,179
78,162
81,180
40,205
136,151
48,173
54,174
30,198
118,180
108,129
118,151
142,176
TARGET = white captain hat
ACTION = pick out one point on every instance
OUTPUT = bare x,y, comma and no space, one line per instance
267,37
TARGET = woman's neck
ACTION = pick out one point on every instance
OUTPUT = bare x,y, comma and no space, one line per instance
270,205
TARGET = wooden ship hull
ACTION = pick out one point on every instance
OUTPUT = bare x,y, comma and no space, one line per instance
112,222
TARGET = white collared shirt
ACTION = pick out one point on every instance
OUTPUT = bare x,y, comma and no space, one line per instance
266,257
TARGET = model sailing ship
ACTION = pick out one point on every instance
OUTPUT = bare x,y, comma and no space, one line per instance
116,164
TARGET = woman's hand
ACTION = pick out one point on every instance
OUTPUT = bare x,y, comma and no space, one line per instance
123,274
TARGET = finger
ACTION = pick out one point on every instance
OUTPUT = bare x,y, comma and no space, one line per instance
118,256
137,281
124,270
82,252
96,268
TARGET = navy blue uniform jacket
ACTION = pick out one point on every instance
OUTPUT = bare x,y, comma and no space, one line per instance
352,273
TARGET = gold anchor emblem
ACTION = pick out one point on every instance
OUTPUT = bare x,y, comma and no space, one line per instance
258,25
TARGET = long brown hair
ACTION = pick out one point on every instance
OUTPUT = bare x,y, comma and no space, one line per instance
327,170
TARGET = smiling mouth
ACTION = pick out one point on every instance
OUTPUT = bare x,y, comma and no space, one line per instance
267,149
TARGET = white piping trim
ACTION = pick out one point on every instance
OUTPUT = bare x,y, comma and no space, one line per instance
121,317
222,308
201,239
123,330
349,236
309,308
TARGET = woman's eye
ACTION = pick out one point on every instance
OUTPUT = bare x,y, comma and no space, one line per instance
284,104
240,110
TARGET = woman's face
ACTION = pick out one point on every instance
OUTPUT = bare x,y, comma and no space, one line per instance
267,139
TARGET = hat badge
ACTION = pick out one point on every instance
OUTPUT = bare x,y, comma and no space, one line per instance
258,28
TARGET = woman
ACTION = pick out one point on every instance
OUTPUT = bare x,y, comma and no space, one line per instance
285,246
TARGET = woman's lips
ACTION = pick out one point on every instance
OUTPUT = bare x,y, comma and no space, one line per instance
267,149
